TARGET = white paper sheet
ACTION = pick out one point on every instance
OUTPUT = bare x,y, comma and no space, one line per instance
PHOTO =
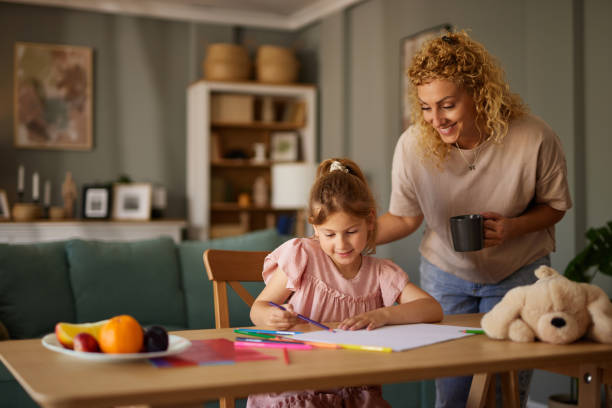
397,337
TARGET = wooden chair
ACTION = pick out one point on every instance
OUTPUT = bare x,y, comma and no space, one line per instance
230,268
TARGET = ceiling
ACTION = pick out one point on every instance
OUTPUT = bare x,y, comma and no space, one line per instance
279,14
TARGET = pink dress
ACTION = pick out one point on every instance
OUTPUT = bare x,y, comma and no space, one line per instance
323,294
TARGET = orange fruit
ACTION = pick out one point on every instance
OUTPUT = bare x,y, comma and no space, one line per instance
122,334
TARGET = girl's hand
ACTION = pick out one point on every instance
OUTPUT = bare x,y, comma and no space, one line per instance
497,229
370,320
281,319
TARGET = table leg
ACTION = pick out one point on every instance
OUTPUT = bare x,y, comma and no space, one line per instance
510,391
479,390
589,388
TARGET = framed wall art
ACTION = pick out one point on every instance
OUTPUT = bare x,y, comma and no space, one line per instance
284,146
132,201
97,201
5,210
52,96
408,47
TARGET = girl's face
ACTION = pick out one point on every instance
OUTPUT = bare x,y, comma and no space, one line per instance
451,111
343,237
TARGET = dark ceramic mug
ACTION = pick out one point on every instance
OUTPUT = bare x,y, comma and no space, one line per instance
467,232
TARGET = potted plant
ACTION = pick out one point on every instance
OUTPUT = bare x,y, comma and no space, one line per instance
595,257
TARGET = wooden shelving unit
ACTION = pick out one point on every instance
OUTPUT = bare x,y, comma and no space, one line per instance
225,120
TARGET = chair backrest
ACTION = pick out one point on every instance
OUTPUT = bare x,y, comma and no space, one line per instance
230,268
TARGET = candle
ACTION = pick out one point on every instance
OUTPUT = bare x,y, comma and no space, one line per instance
35,187
20,178
47,194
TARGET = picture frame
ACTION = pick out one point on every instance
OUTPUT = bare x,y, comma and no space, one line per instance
5,209
53,94
132,201
408,47
97,201
284,146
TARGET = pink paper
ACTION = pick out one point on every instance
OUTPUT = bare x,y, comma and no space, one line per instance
210,352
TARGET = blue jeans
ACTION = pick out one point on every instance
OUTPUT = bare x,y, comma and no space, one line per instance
460,296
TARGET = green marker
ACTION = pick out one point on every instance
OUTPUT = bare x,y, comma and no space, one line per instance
473,331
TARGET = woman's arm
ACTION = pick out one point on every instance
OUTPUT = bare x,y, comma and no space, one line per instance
392,227
262,314
499,228
415,306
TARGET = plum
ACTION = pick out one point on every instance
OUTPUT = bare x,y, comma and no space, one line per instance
155,339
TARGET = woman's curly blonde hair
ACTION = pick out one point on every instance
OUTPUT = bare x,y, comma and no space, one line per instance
465,62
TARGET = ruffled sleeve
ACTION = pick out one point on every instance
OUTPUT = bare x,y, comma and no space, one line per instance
392,280
292,258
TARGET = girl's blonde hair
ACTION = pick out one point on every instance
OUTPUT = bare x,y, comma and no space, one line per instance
340,186
465,62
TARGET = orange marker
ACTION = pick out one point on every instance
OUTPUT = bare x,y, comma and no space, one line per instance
286,356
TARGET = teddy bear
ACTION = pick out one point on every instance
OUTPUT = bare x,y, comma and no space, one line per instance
553,309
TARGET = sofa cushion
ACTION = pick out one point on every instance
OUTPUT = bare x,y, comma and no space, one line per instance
198,289
35,290
138,278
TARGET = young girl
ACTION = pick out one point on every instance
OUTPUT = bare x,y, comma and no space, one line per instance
329,279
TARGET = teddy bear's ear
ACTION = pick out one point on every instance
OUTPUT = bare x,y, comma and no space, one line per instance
545,272
600,309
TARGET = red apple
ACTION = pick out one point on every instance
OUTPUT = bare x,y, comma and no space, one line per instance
85,342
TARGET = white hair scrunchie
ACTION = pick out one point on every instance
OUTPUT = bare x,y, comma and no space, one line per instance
336,165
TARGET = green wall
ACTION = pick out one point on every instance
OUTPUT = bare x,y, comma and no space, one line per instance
142,67
556,55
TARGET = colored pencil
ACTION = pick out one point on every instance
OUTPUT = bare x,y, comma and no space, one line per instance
303,317
315,344
261,335
366,348
286,355
277,332
473,331
294,346
251,340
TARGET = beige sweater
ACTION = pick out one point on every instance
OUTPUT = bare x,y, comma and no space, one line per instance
528,165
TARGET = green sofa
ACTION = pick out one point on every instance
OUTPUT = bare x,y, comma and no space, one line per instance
156,281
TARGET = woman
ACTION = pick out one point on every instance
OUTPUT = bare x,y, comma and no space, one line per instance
474,148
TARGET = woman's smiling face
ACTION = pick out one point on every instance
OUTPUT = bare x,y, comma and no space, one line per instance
451,111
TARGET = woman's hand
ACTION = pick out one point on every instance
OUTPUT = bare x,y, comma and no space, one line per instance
497,229
369,320
281,319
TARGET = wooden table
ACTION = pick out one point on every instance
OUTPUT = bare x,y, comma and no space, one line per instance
57,380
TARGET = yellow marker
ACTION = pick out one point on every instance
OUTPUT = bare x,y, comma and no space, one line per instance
366,348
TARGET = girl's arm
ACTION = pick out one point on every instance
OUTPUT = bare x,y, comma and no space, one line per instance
415,306
262,314
392,227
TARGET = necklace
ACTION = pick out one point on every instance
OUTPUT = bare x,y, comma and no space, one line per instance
471,165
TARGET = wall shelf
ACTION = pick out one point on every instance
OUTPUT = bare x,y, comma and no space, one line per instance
104,230
259,125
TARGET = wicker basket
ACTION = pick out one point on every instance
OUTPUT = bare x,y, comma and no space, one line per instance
276,64
226,62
